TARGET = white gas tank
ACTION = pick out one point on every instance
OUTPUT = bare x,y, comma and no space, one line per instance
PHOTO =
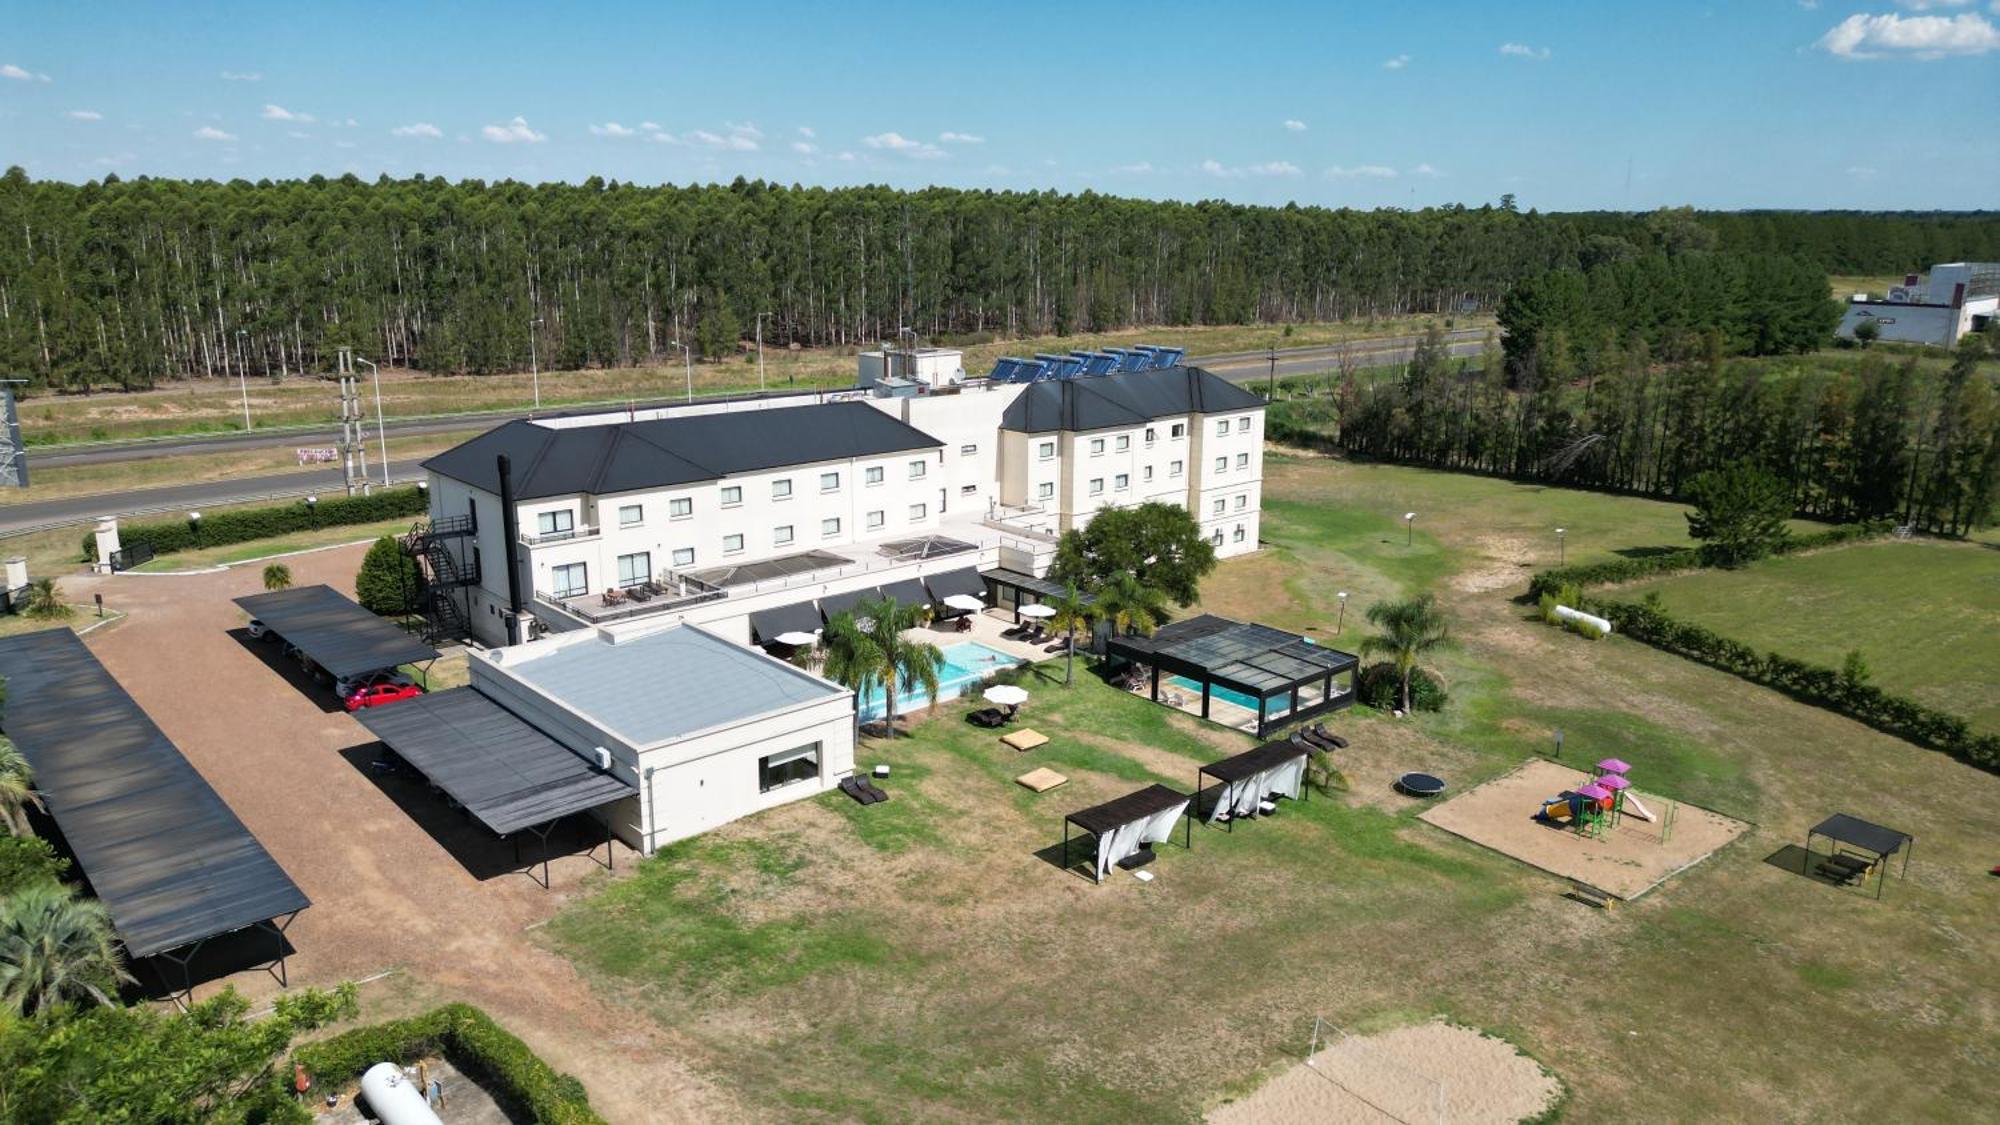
394,1098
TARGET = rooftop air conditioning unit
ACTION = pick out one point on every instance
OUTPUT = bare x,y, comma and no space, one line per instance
604,759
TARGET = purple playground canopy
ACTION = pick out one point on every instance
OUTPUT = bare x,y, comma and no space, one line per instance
1594,791
1612,782
1614,765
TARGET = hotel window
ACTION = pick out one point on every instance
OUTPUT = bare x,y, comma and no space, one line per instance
829,482
918,511
1096,485
872,475
1122,481
877,519
1097,447
781,489
635,568
1046,451
1222,464
556,523
1216,538
631,515
1045,491
1243,424
1151,433
800,764
1222,427
1146,474
732,495
968,451
829,528
1242,502
1218,505
680,509
683,556
968,490
1238,536
1242,460
732,544
781,534
569,580
916,470
1174,468
1179,431
1122,443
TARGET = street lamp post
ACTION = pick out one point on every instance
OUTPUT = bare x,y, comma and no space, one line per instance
688,357
534,361
243,377
1409,529
381,429
1561,551
1271,380
1341,626
760,351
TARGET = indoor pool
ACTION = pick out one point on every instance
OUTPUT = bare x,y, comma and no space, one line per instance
965,664
1278,705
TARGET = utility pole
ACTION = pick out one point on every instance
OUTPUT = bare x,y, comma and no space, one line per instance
381,430
688,357
242,378
760,351
1271,380
535,361
353,445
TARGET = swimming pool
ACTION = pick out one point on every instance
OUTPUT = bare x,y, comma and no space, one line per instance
965,664
1278,705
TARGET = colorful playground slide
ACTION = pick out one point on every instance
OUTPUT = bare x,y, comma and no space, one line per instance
1633,806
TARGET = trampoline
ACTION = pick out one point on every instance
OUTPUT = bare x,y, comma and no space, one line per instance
1420,784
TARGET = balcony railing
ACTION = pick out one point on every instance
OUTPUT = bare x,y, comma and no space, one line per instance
668,592
588,531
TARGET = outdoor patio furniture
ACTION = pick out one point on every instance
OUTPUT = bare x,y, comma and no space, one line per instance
1016,632
1316,740
1058,647
861,791
1320,732
989,717
613,597
639,593
1027,738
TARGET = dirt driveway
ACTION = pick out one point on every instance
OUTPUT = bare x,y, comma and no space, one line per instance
436,905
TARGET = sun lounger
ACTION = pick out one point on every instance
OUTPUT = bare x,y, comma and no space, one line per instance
1317,741
862,791
1017,632
1319,731
989,717
1027,738
1059,646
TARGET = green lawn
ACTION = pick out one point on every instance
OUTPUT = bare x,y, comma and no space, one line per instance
924,959
1924,615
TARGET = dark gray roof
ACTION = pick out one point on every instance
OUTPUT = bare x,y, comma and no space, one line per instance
1863,834
1136,805
625,456
962,581
505,772
798,617
163,852
1254,658
337,634
1250,763
1098,402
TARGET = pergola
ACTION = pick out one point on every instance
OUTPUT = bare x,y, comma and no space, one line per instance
1145,816
1247,778
1013,589
1263,669
1860,847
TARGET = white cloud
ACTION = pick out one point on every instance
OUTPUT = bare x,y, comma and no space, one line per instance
804,148
951,138
1425,170
19,74
241,76
85,115
747,130
897,142
1860,172
1237,172
1917,37
298,135
417,129
1396,62
1361,172
806,132
613,129
1141,168
1930,5
649,126
738,139
280,113
211,133
845,157
1522,50
114,161
1296,126
513,132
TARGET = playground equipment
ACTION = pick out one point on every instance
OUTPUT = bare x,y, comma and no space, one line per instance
1594,809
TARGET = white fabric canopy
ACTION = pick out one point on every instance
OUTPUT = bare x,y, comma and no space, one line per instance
1243,797
1038,610
1125,839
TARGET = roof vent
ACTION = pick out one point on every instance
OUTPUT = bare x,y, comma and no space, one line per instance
603,759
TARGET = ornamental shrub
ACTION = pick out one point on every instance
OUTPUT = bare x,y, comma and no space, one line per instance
388,580
245,524
1377,686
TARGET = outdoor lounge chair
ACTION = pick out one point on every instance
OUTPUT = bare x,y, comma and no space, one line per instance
862,791
1320,732
1035,636
1017,632
1058,647
988,717
1316,740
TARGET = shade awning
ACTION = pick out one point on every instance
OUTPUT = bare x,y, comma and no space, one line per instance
507,774
1862,834
907,592
798,617
1252,658
338,635
964,581
1250,763
834,605
168,858
1137,805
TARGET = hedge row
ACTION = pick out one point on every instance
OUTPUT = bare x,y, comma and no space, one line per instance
1686,558
1811,683
484,1050
245,524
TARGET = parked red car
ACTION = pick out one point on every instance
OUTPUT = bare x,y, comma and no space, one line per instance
375,695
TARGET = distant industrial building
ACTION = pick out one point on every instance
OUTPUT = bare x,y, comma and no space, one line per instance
1958,297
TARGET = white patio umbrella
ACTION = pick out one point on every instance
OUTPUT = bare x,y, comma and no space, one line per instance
795,638
1006,695
966,602
1038,610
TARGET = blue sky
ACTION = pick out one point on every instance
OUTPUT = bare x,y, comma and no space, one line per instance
1734,103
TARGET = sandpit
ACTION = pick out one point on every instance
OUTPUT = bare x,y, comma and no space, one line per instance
1422,1074
1627,861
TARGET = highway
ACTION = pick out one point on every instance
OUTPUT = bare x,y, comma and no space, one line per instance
1248,368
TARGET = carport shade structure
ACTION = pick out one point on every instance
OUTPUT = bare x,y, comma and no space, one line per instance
1233,772
1257,660
335,633
508,775
1102,820
1869,839
168,858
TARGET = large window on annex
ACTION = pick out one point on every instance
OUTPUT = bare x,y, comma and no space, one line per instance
797,764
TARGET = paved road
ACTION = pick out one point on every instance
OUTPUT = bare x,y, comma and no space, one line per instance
1240,367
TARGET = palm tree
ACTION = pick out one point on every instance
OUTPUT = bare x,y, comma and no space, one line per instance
55,947
1071,614
1130,605
45,600
1408,631
16,789
277,576
865,648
